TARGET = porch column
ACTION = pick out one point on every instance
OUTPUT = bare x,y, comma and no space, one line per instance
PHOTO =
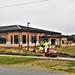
8,39
56,42
49,41
60,42
20,39
13,39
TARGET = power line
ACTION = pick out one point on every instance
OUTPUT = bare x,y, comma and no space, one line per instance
23,4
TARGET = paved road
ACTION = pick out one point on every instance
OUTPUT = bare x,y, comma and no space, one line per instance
15,71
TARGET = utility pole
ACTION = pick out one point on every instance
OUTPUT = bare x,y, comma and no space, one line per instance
35,41
28,34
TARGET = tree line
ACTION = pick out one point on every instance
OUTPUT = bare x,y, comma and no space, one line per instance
71,37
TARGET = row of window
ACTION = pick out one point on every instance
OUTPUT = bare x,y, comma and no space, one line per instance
16,39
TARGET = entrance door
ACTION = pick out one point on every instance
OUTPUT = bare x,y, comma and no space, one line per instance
52,41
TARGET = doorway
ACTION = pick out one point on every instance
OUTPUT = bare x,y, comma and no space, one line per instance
45,40
52,41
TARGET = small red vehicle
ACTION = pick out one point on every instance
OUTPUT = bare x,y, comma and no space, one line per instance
51,52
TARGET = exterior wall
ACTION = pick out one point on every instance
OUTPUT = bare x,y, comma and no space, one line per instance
58,41
39,41
64,39
9,34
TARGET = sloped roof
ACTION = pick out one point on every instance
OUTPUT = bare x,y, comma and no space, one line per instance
24,28
53,36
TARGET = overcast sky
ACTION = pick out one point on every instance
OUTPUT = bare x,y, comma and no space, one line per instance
53,15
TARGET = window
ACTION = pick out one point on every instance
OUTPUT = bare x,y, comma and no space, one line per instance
52,41
33,39
2,39
62,41
15,39
23,38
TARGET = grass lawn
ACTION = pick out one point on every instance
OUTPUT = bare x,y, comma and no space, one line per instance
43,65
67,50
38,64
72,66
14,60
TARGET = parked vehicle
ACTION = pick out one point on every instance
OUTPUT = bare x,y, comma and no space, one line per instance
51,52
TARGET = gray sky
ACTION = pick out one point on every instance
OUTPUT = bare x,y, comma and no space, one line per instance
54,15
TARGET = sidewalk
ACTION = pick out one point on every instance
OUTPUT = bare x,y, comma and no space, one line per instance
40,57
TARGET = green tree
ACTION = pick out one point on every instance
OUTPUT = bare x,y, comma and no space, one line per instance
71,38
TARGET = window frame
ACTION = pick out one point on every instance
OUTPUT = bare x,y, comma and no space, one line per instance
24,40
3,39
17,41
33,38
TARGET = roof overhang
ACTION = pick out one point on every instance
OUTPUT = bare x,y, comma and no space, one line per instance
53,36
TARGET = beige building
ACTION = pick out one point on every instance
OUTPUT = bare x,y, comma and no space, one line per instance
55,39
16,35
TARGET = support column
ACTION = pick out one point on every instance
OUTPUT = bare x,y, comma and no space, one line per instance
50,42
56,42
60,41
8,39
20,40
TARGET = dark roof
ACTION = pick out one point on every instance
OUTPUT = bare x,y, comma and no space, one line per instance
24,28
53,36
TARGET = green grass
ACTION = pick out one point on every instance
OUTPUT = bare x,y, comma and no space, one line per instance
68,66
50,65
70,50
14,60
71,67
